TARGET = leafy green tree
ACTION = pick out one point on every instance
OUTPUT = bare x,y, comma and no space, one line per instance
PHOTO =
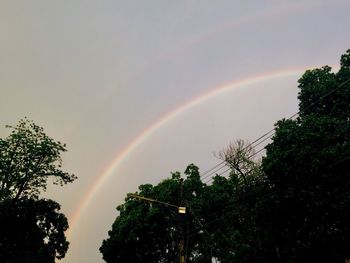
31,229
306,217
151,232
28,157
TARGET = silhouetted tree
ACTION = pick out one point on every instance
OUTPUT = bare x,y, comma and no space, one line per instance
307,217
31,229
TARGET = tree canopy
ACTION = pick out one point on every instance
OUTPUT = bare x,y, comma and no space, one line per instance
31,229
145,232
308,164
151,232
28,157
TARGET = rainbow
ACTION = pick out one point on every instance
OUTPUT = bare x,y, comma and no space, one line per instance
146,133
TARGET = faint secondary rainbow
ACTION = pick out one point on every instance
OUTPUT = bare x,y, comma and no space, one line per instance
145,134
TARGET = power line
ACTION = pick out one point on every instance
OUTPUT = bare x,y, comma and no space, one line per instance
215,166
220,174
222,166
229,168
268,134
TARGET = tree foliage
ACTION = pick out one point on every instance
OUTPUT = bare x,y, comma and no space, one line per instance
31,229
148,232
28,157
151,232
308,165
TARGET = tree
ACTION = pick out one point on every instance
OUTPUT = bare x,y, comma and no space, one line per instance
28,157
149,232
31,229
238,235
307,215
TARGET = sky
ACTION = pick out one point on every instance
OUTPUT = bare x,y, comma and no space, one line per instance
138,89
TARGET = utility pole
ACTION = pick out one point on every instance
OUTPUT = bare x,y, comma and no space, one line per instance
181,224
